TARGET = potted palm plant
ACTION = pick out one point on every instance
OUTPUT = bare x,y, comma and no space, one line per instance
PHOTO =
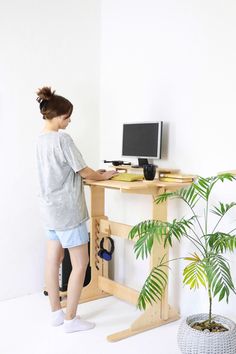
207,265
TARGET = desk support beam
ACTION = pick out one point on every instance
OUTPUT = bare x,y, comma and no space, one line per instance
116,228
121,291
159,212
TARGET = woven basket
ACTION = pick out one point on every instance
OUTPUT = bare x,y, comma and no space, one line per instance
192,341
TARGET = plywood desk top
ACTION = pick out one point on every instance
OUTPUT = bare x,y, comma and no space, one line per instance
144,186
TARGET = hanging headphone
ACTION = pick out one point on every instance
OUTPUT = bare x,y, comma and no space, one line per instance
105,254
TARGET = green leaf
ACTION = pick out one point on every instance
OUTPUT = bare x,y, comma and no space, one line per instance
220,276
202,187
187,194
222,209
221,242
226,176
194,258
150,230
194,274
154,287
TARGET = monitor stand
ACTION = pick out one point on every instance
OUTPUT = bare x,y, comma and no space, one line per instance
141,163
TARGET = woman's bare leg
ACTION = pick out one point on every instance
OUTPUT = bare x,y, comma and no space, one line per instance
54,257
79,261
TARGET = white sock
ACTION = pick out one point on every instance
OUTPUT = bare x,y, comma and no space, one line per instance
77,325
57,318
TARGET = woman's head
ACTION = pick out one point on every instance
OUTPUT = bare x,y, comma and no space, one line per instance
53,106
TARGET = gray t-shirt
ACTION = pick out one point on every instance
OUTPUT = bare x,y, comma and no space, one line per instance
61,191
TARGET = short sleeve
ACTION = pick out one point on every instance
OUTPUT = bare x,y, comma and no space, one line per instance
72,153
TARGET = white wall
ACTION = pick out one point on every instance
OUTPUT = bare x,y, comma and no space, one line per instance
172,61
52,43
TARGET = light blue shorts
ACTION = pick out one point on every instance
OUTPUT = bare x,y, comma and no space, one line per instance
70,238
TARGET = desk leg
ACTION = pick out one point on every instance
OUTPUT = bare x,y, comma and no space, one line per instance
148,320
92,291
98,266
159,212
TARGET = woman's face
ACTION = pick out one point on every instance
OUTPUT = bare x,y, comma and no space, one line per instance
64,120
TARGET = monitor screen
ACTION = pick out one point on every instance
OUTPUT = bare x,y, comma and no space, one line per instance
142,139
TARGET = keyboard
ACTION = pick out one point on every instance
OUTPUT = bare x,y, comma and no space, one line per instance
127,177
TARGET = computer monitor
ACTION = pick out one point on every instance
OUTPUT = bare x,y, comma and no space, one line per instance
142,140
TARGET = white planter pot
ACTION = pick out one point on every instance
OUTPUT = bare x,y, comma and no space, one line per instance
192,341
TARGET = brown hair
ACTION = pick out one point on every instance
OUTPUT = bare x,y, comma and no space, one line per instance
52,105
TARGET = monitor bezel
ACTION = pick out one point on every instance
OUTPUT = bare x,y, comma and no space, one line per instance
160,134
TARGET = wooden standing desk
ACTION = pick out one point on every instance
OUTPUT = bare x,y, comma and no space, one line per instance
100,285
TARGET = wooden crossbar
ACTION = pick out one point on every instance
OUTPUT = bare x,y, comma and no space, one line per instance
121,291
116,228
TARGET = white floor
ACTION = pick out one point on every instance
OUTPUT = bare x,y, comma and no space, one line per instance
24,329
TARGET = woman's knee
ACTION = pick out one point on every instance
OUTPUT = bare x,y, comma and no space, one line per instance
80,267
79,256
55,253
54,260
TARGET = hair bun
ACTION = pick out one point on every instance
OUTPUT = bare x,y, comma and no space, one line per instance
45,93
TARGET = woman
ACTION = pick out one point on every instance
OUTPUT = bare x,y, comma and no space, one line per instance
61,168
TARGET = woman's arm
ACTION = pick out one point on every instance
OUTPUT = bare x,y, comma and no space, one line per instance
89,173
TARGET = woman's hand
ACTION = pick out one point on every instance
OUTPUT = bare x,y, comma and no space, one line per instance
101,170
109,174
89,173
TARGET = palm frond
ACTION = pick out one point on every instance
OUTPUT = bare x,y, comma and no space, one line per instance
194,273
203,186
165,196
221,242
222,209
146,232
226,176
150,230
187,194
154,287
177,229
219,275
221,177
